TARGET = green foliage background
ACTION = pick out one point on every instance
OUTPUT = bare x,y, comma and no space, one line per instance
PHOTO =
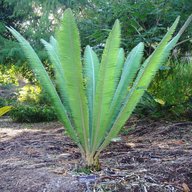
141,20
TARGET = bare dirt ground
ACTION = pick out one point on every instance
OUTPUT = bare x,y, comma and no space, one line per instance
153,157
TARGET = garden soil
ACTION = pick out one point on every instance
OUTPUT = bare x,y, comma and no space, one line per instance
148,156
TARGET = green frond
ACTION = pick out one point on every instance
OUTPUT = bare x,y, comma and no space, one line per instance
131,66
106,82
146,73
119,66
59,73
41,74
91,69
69,53
54,43
186,24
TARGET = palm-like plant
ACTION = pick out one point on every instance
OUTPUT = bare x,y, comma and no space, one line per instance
93,100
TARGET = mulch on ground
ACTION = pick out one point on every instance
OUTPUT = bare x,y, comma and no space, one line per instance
154,157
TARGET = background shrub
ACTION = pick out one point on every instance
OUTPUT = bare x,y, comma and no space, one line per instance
32,113
170,94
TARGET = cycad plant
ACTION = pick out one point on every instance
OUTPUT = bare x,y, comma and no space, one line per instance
93,99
